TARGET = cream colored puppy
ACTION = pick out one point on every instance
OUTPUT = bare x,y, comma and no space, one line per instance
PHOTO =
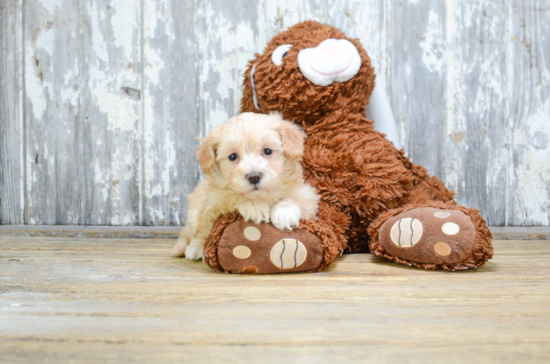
252,165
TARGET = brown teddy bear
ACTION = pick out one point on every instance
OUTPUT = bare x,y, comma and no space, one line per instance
373,198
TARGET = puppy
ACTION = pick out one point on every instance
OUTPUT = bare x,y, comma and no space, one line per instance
252,165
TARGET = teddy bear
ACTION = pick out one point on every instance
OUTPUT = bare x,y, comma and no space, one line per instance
373,198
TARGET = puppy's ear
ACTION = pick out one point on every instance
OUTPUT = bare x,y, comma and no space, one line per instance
293,138
207,152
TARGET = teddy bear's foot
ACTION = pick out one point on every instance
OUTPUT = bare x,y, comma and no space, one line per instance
246,247
430,237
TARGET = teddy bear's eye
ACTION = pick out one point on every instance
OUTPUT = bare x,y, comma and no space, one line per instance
233,157
279,53
268,151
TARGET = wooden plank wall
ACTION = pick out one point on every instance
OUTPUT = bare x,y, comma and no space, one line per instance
102,101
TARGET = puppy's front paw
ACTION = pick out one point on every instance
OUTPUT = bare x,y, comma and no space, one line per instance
178,250
194,251
255,211
286,216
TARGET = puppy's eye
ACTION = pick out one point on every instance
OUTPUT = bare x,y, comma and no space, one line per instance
268,151
279,53
233,157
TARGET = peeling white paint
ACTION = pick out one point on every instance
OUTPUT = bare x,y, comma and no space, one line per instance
177,217
531,177
123,22
52,5
70,93
154,65
431,44
169,163
453,97
34,90
226,48
150,19
45,40
157,214
120,111
99,179
98,42
37,55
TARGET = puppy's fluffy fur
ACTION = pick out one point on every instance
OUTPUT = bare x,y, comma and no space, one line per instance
259,144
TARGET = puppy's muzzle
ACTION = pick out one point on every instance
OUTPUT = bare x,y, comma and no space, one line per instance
254,178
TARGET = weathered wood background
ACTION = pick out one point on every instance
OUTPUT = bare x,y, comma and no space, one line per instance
102,101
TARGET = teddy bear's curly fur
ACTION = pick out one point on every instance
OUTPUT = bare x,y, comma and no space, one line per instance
362,178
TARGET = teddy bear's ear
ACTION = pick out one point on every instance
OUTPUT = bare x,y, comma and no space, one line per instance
247,102
292,137
207,151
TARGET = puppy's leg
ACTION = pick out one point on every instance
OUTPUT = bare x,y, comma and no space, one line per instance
194,250
183,242
286,214
197,201
203,227
255,211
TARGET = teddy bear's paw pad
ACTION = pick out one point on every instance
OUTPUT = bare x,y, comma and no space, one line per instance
429,235
406,232
250,248
288,254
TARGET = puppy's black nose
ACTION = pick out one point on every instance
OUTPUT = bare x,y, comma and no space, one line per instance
254,177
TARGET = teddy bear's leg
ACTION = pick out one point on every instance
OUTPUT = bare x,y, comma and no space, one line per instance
237,246
433,235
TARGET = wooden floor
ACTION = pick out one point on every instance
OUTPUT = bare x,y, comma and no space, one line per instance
126,300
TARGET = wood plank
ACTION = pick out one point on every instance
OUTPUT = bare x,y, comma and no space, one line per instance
418,73
108,299
97,232
112,122
529,112
82,76
521,232
475,142
328,353
171,125
12,139
53,80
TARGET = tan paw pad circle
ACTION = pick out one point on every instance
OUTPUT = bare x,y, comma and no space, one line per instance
242,252
406,232
252,233
288,254
250,269
450,228
442,214
442,248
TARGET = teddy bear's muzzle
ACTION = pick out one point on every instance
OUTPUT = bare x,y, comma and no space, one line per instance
331,61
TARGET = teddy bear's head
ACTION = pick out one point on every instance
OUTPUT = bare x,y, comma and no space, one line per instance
308,72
